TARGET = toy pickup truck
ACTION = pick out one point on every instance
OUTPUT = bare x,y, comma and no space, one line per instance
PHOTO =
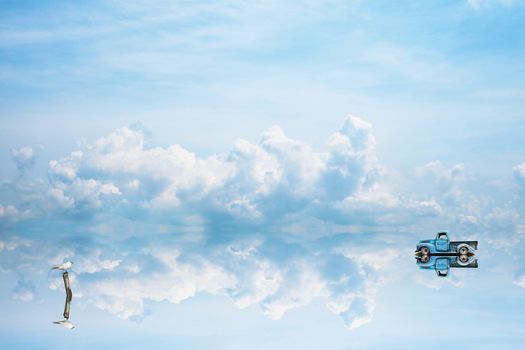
440,254
441,246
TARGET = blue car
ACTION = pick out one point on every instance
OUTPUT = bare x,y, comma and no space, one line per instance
442,246
443,264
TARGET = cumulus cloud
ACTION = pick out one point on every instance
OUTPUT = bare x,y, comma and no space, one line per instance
8,211
12,213
446,190
95,263
248,272
81,194
263,183
124,295
25,158
444,178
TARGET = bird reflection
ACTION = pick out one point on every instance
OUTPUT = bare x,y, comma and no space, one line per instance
69,296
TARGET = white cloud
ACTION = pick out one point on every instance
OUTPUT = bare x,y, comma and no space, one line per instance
25,158
92,263
124,295
274,284
66,167
10,212
262,182
161,173
300,286
443,177
81,194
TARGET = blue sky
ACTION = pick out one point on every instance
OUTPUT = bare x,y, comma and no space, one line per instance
254,175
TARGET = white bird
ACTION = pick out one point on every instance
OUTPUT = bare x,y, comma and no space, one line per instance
65,323
64,266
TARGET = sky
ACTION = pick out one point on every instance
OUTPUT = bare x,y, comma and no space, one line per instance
255,175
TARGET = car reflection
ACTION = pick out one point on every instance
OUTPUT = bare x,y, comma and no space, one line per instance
443,264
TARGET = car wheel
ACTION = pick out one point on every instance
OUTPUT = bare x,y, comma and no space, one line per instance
463,258
424,250
463,250
424,259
